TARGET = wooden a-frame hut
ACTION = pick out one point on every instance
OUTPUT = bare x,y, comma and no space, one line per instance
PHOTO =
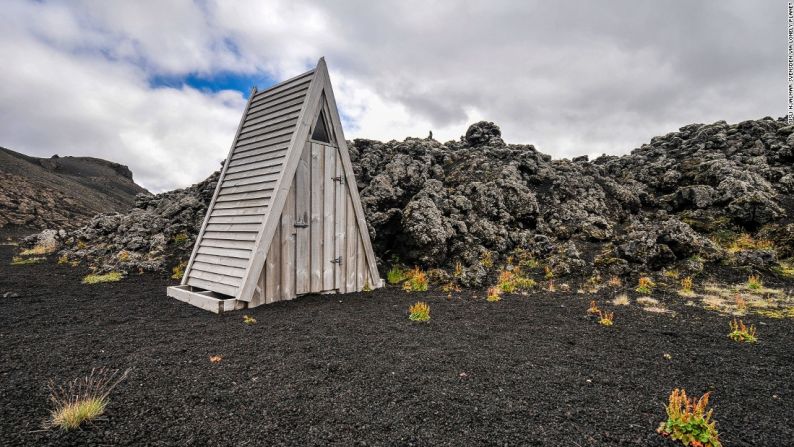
286,218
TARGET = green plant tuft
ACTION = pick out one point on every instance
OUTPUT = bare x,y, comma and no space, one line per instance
107,277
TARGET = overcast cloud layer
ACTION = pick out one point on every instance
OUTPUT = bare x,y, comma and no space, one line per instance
584,77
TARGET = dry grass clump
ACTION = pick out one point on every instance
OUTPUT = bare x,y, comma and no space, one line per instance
621,300
84,399
647,301
416,282
672,273
614,281
741,333
645,285
687,285
486,259
18,260
180,238
107,277
689,422
39,250
419,312
747,242
215,359
513,281
249,320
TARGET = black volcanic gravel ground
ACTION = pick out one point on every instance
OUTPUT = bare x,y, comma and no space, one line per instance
352,370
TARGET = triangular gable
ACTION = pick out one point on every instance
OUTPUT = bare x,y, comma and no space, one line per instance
245,211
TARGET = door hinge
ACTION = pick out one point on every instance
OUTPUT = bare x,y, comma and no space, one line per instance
337,260
338,178
301,224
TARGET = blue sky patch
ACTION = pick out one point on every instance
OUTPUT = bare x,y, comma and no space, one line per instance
241,82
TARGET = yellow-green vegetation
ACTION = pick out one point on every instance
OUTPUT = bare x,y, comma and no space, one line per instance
645,285
179,270
39,250
689,422
450,287
180,238
81,245
458,273
740,299
63,260
606,318
83,399
672,273
486,259
593,309
396,274
748,242
785,268
367,287
107,277
513,281
754,282
687,285
123,256
18,260
494,294
741,333
247,319
419,312
548,272
416,282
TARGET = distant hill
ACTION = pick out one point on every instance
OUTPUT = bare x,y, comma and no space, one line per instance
60,192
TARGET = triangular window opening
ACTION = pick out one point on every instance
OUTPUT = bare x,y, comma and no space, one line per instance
321,130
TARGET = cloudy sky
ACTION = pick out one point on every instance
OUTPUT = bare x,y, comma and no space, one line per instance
160,85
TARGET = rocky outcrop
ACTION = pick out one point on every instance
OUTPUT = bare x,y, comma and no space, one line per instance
60,192
677,201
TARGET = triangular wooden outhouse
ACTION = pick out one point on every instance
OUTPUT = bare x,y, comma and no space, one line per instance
286,218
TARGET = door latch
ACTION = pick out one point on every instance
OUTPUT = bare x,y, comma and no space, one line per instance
338,178
300,223
337,260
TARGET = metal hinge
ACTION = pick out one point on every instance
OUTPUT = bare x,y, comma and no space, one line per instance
337,260
337,178
301,224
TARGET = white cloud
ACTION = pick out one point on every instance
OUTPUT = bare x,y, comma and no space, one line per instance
571,78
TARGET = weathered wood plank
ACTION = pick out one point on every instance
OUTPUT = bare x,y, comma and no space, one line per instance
260,186
283,122
282,92
254,211
213,286
274,112
276,101
329,198
227,243
251,165
361,265
255,156
302,216
351,239
216,278
242,204
221,260
227,252
231,197
233,227
316,225
262,174
250,180
273,269
256,138
270,119
288,246
219,269
248,236
340,211
236,219
303,78
259,292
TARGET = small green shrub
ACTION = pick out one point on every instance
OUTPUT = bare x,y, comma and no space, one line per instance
494,295
249,320
645,285
742,333
180,238
396,274
107,277
689,422
419,312
754,282
416,282
178,272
